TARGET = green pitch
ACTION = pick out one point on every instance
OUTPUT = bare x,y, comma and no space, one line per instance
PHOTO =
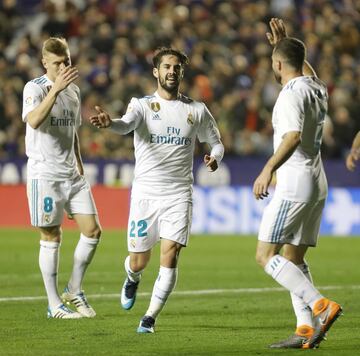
224,303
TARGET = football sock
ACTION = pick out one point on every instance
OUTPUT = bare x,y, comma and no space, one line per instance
302,311
83,255
49,264
133,276
164,285
293,279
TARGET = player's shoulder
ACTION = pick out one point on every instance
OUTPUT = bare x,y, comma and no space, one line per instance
144,101
197,105
38,84
303,84
42,81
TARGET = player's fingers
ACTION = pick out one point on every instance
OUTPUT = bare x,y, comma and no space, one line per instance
72,77
99,109
270,37
282,26
210,161
276,29
93,119
206,159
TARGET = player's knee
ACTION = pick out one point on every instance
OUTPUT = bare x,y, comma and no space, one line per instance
138,264
93,232
52,233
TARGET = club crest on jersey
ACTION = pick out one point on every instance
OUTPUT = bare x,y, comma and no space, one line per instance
47,218
155,107
190,119
28,100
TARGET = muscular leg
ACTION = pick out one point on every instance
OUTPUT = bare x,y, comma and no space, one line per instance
49,261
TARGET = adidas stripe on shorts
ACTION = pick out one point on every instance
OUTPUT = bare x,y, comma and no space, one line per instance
289,222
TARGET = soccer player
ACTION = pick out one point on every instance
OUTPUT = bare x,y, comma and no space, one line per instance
51,110
165,127
292,218
354,154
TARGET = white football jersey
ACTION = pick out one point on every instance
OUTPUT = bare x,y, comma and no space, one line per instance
50,147
164,139
301,106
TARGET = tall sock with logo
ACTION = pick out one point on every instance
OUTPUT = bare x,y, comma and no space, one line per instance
293,279
83,255
164,285
302,311
49,265
133,276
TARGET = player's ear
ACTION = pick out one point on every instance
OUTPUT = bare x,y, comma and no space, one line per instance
155,73
278,65
43,61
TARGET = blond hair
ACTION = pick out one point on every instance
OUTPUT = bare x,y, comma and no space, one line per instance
55,45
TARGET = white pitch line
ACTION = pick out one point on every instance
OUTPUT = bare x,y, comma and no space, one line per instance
183,293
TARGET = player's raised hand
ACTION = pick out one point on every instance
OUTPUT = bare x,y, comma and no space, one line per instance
278,31
101,120
211,163
66,76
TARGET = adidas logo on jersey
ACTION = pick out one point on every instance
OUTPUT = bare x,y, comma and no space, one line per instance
156,117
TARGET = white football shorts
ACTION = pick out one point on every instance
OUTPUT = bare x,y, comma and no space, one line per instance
289,222
48,200
153,219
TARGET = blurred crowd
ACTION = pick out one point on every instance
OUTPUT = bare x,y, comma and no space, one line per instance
112,43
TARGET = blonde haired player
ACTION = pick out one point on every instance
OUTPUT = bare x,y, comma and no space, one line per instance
55,180
292,218
166,125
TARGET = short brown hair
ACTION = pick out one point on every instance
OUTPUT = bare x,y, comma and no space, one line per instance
293,50
55,45
165,51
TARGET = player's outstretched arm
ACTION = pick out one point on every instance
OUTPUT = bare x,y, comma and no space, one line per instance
37,116
122,126
354,154
278,32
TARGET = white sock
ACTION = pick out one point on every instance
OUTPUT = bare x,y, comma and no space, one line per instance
164,285
49,265
290,277
133,276
302,311
83,255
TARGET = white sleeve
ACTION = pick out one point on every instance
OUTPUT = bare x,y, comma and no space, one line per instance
291,112
130,121
209,133
217,152
32,97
